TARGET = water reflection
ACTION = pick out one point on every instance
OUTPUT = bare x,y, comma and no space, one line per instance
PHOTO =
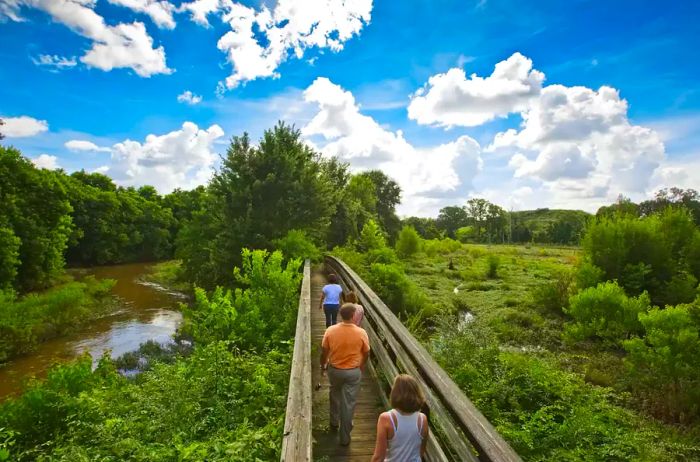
145,312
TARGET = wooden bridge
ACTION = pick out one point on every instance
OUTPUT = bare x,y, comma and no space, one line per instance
458,431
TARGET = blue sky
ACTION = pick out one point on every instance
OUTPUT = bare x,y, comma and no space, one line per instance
571,145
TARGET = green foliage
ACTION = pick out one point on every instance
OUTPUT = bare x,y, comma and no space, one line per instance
664,364
371,238
396,290
256,317
259,195
547,226
388,196
296,244
450,219
553,296
588,275
605,312
426,227
35,318
465,234
648,253
408,243
493,262
441,246
35,214
215,405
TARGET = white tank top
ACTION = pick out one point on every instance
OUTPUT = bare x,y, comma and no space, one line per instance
405,445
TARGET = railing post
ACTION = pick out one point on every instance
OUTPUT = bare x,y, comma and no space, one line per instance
297,441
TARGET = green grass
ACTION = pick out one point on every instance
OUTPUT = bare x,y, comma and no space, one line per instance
169,274
549,399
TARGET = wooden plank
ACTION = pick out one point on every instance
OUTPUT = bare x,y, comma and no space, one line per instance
481,434
296,442
367,410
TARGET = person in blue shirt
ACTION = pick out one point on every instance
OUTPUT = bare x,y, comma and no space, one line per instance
331,299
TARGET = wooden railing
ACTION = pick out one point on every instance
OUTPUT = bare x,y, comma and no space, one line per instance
459,432
297,441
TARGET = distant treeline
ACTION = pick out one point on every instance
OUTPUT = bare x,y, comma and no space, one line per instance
481,221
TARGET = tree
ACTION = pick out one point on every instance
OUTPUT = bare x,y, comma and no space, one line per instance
36,213
426,227
451,218
388,196
408,242
673,197
259,195
623,207
478,210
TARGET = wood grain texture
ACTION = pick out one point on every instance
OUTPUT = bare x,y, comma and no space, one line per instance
326,446
296,442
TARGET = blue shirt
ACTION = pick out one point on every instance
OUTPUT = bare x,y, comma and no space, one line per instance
332,293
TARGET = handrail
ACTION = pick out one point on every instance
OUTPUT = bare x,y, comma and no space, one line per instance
296,441
460,431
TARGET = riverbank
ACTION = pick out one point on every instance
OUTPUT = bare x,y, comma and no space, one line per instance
29,320
168,274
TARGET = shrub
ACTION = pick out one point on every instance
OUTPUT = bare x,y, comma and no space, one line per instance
606,312
553,296
296,244
663,364
440,246
408,243
588,275
396,289
493,262
465,234
372,237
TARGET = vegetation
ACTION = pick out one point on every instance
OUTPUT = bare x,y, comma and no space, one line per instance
27,321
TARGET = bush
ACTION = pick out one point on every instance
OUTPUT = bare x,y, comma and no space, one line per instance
493,262
553,296
465,234
440,246
664,363
396,289
371,238
408,243
588,275
605,312
296,244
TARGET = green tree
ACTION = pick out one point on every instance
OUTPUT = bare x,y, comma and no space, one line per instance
408,243
451,218
35,209
371,238
259,195
388,196
426,227
477,210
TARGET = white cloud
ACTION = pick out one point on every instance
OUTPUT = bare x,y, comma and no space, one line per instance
427,176
46,161
82,145
182,158
581,134
200,9
23,126
120,46
452,99
189,98
290,26
160,11
55,63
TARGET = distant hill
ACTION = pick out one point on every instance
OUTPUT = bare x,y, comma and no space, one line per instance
549,225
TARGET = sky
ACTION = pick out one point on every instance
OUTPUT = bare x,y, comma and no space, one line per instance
526,103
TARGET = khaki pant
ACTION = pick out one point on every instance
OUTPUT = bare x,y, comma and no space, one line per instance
345,383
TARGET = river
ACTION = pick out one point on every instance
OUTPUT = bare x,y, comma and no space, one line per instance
144,311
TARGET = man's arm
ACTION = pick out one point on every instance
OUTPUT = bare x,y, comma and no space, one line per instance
323,297
324,356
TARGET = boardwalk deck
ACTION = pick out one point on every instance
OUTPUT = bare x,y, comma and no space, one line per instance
326,447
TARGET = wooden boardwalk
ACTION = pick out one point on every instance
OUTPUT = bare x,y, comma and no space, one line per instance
326,446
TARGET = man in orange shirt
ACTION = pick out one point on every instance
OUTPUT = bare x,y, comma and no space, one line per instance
345,349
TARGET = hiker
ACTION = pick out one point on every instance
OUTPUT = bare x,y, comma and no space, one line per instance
331,298
351,297
345,348
402,433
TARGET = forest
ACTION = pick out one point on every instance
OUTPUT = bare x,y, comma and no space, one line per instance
575,334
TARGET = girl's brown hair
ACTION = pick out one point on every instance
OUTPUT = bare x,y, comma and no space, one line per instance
406,395
350,297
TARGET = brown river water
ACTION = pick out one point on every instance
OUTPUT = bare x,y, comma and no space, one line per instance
144,311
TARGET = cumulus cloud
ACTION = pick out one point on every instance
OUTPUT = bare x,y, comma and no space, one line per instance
260,40
120,46
452,99
427,176
189,98
180,159
583,134
85,146
46,161
23,126
55,63
200,9
160,11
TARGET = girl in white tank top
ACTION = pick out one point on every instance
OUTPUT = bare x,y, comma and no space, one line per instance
402,432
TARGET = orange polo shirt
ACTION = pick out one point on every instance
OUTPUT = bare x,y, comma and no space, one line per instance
347,344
